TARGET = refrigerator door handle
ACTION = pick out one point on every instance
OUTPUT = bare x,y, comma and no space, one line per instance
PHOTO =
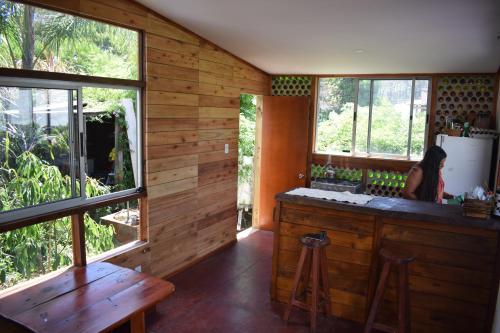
441,138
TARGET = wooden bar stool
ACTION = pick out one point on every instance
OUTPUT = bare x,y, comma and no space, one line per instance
401,262
313,249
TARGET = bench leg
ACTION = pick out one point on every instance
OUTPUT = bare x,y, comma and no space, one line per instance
137,323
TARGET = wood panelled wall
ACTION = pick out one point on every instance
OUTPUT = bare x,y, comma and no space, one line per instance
192,110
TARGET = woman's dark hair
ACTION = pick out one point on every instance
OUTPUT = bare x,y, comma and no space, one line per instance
427,190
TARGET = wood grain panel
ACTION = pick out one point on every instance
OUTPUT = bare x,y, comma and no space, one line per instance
216,68
163,151
172,72
180,86
171,163
204,123
167,98
172,111
214,112
218,101
171,45
163,138
171,58
167,176
166,124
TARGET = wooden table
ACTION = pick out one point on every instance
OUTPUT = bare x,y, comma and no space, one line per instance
95,298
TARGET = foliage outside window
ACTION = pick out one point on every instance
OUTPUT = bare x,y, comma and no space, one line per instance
372,116
40,39
62,143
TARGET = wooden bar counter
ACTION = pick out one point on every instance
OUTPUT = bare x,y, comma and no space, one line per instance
453,280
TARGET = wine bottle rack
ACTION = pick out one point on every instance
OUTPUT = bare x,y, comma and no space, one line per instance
353,175
385,183
459,96
291,86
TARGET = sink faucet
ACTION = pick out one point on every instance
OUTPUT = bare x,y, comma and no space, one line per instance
329,171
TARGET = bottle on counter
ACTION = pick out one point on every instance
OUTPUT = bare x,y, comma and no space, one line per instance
466,129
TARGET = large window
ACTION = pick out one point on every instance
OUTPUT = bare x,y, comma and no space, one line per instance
40,39
372,117
70,146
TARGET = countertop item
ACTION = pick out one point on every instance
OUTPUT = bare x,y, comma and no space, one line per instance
359,199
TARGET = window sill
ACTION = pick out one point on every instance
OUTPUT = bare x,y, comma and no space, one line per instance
136,246
382,157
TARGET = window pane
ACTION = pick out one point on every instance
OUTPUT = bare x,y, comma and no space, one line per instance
336,98
33,251
111,141
390,116
37,156
110,227
419,118
57,42
362,116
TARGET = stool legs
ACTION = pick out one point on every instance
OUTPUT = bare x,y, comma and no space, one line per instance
312,266
296,281
403,299
379,295
315,286
325,283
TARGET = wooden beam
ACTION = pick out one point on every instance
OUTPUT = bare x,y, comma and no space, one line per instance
312,127
256,161
354,162
78,236
432,112
56,214
53,76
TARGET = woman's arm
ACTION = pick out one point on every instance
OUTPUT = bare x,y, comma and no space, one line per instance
413,181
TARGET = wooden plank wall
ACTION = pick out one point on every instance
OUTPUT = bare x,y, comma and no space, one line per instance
192,110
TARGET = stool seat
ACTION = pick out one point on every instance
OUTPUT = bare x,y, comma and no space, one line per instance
395,258
311,241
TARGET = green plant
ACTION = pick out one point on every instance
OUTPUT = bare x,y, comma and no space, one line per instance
43,247
246,139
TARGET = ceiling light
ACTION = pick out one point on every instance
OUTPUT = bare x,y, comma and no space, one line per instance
359,51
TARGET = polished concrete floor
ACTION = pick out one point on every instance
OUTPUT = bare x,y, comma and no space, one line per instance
229,292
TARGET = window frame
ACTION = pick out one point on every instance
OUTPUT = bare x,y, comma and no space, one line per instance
370,78
81,199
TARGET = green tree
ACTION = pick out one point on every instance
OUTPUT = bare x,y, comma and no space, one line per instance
246,139
44,247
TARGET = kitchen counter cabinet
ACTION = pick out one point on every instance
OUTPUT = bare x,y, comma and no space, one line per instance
453,281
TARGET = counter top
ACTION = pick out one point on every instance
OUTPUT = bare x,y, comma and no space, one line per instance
401,208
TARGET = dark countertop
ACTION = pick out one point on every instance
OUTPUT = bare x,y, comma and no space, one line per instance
401,209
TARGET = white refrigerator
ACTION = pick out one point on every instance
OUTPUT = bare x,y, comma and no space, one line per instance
468,163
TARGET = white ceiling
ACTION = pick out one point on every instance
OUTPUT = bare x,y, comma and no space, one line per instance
321,36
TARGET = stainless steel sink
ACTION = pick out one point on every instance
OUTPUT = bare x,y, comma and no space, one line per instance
329,184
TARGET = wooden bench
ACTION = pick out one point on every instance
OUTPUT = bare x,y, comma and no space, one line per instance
95,298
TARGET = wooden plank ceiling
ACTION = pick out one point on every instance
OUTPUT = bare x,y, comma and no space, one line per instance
192,109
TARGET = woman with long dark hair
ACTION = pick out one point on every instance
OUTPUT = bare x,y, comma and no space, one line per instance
425,181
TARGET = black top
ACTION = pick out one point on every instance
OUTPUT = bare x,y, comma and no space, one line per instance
401,209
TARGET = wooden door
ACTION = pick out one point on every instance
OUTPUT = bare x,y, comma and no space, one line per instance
284,143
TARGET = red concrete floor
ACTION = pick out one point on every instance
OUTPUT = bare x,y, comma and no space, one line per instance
229,292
